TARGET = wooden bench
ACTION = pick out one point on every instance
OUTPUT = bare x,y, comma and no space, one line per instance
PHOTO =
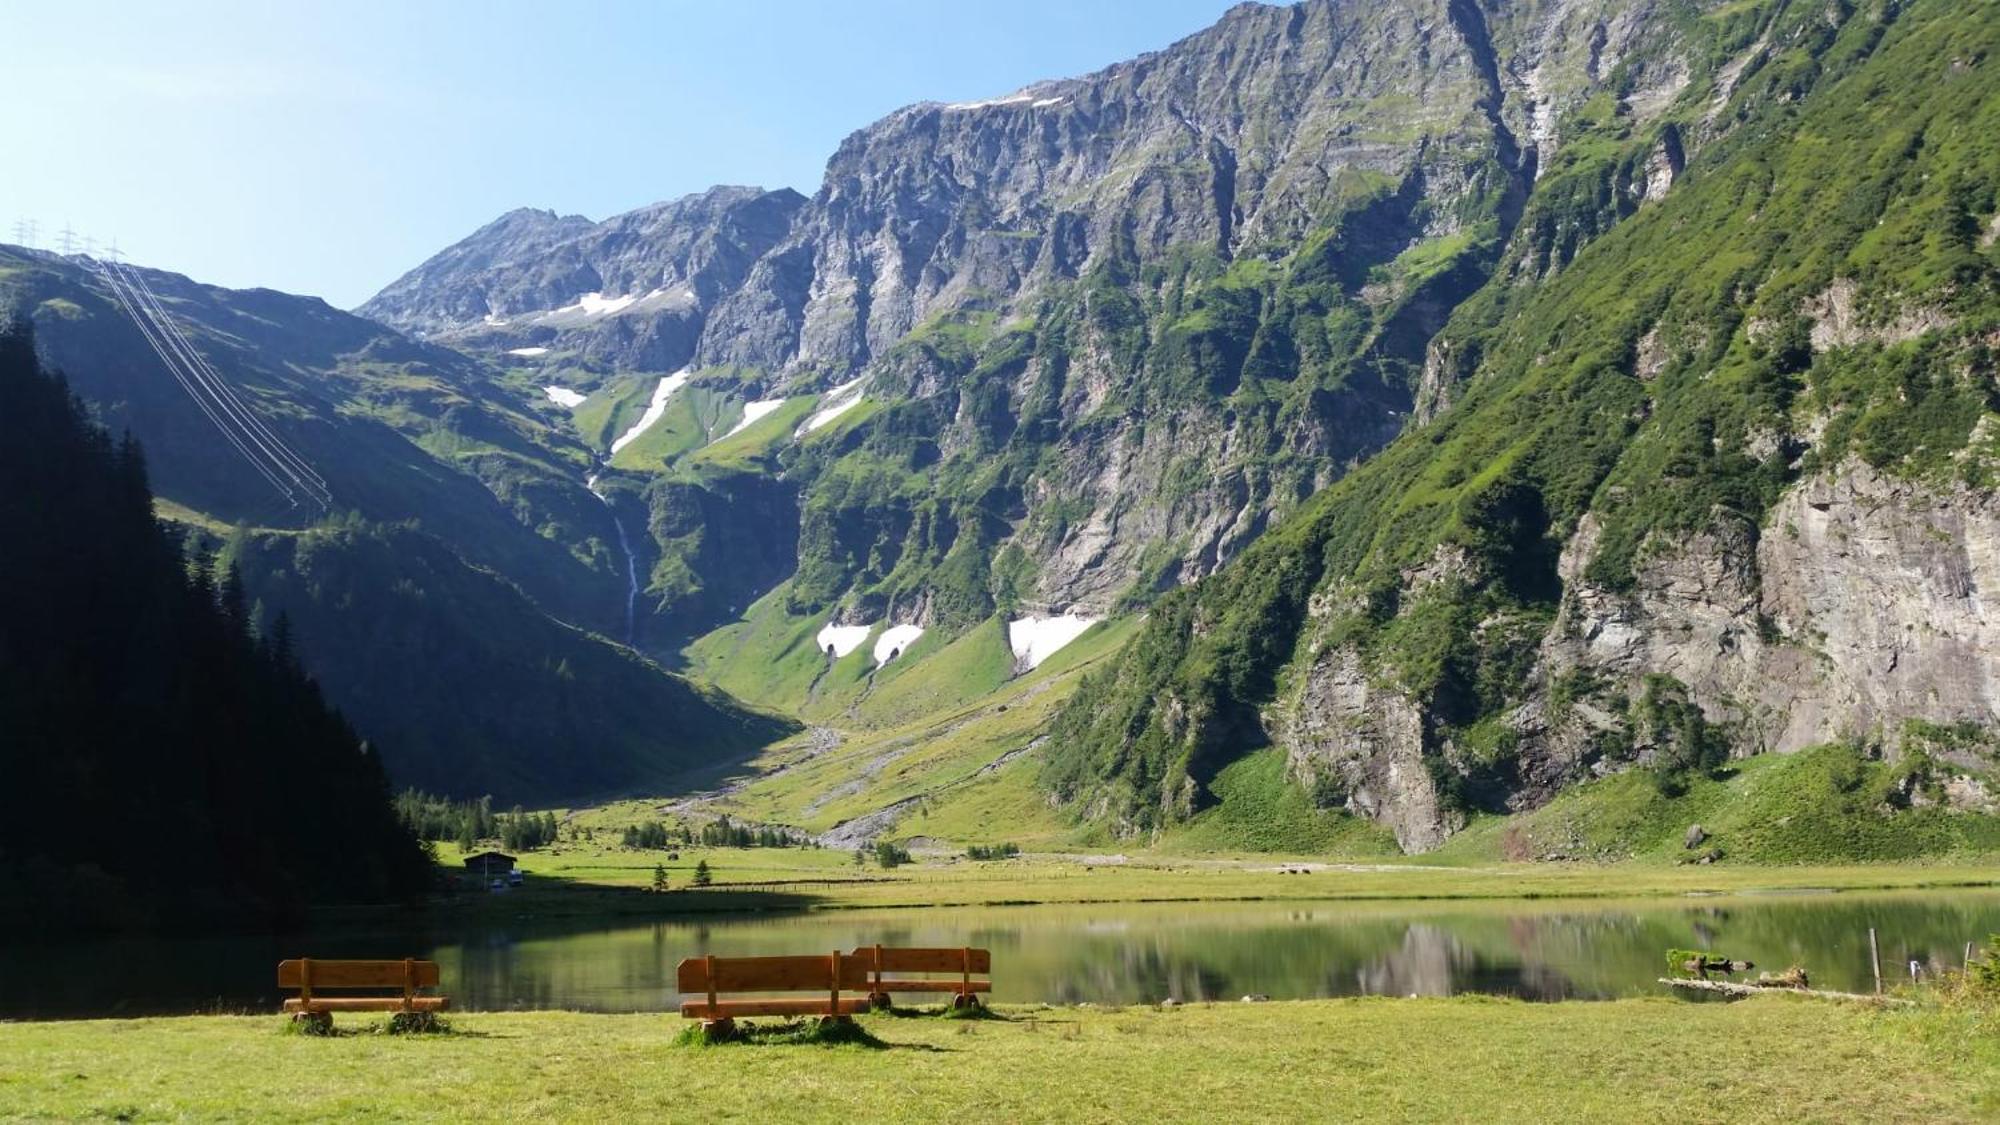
407,976
707,978
964,962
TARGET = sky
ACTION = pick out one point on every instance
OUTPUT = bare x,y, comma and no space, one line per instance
327,148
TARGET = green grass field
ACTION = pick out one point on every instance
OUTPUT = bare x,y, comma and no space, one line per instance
1465,1058
602,876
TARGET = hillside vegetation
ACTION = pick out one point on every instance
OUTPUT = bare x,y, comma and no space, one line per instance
1675,373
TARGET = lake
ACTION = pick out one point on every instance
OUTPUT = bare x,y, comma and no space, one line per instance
1106,954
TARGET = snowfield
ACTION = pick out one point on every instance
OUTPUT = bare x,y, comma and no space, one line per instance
842,639
753,411
838,401
896,640
1035,639
655,410
597,304
563,396
1012,99
529,352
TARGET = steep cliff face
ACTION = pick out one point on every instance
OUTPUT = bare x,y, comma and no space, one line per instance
1701,472
630,293
1863,603
1236,139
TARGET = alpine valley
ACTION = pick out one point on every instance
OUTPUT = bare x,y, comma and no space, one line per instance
1507,428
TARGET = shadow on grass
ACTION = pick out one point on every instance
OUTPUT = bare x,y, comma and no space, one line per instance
942,1012
798,1033
792,1033
428,1029
556,905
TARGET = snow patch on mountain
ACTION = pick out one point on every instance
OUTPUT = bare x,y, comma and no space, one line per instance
528,352
1035,639
838,401
563,396
896,640
655,410
842,639
597,304
752,411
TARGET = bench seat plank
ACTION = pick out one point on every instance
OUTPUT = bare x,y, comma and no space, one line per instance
367,1003
891,984
726,1009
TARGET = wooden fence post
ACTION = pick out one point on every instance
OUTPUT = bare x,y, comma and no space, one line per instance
1875,958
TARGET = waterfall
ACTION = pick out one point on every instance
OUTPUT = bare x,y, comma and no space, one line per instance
631,561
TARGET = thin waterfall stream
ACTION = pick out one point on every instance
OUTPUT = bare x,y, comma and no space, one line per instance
631,560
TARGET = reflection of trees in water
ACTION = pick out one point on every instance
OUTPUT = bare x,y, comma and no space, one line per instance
1069,954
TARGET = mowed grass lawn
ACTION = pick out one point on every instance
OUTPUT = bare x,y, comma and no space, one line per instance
1768,1059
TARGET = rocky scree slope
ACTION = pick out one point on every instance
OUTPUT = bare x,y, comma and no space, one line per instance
1711,477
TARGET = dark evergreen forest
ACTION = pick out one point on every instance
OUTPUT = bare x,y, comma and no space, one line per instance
161,764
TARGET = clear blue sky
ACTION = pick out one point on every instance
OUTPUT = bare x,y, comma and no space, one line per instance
325,148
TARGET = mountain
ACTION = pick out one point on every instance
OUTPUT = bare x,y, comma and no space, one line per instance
1472,398
163,763
630,292
1717,480
1543,362
1095,336
461,514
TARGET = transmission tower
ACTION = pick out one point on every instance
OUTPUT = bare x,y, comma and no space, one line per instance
24,232
67,239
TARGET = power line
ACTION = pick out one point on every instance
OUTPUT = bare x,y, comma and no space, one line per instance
280,465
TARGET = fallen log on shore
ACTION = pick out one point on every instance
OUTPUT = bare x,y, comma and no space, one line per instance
1732,988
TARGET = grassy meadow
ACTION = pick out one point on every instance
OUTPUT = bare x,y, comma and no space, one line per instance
1767,1059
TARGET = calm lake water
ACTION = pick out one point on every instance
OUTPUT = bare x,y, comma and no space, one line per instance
1108,954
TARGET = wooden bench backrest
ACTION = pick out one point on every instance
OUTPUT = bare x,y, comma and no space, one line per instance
770,974
890,959
315,974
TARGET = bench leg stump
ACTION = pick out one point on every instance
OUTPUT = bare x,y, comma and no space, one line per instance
880,1001
964,1001
718,1031
313,1023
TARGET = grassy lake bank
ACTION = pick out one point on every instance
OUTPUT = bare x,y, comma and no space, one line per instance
1771,1058
591,880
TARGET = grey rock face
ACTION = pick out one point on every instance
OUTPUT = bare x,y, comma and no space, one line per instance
1863,602
1343,730
630,292
1234,139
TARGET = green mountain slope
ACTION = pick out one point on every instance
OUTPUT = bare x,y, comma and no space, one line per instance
1628,538
452,603
477,691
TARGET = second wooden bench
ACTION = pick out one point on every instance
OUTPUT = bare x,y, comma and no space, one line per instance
963,963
